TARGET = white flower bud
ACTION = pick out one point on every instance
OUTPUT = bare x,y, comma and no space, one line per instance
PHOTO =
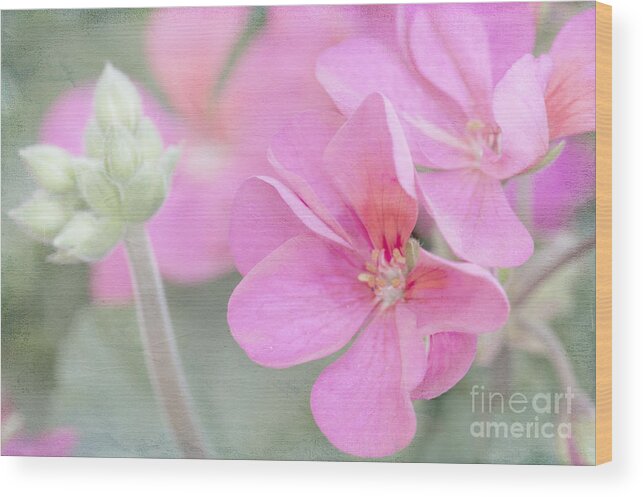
50,166
144,193
87,238
97,189
42,216
122,157
94,141
150,144
116,100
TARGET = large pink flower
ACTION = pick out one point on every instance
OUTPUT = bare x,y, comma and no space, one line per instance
327,258
477,108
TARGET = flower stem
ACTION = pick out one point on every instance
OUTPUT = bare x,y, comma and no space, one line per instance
567,377
159,344
560,360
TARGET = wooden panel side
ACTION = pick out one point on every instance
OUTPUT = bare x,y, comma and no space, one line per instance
603,233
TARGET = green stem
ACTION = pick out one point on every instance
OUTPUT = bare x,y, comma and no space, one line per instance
159,344
560,359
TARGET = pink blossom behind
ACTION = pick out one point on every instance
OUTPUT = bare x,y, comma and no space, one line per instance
476,112
557,190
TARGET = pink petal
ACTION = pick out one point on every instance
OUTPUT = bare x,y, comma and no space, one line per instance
296,153
188,48
302,302
110,279
474,216
450,46
371,167
571,92
446,295
511,29
359,402
450,357
265,214
412,347
519,109
280,62
356,68
190,231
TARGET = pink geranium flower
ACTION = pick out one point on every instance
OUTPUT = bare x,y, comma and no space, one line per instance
477,109
328,259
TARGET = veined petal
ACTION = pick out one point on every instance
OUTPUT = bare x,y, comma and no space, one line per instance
371,167
473,214
296,153
519,109
359,401
265,214
571,91
301,302
450,357
450,47
511,29
446,295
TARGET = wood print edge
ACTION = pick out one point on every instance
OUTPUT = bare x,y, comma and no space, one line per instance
603,233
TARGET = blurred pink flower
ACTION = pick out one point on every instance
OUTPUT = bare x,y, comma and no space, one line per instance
472,102
557,190
327,257
58,442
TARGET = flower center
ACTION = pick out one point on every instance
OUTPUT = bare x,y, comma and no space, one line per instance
386,277
484,139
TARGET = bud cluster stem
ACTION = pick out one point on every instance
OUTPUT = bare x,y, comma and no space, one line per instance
159,344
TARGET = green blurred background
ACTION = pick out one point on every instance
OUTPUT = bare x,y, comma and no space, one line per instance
68,363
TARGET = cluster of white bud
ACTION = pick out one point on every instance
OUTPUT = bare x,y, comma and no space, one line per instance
84,204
